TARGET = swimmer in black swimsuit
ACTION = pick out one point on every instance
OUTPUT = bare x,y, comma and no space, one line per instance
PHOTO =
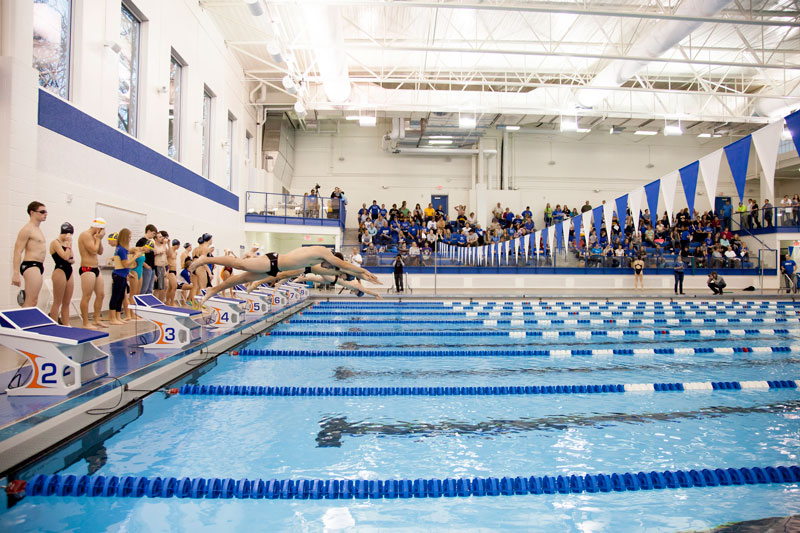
63,282
25,265
273,267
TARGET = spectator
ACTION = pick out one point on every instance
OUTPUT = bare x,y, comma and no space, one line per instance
374,210
586,207
767,213
796,209
788,269
371,255
732,259
413,254
727,212
548,215
716,283
356,259
430,212
398,273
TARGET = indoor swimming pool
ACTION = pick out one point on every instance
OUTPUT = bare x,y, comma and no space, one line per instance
563,415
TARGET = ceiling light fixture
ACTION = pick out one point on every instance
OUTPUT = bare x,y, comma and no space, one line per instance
467,123
672,129
300,110
512,128
255,7
274,52
288,84
440,141
645,132
352,117
616,130
583,130
440,137
367,121
569,124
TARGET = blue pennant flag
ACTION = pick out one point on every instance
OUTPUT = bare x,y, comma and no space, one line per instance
738,155
560,235
576,230
793,121
544,238
597,214
622,210
689,181
651,190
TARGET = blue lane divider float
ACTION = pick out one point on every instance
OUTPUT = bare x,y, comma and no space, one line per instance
362,489
549,333
397,313
589,307
262,352
643,303
255,390
551,322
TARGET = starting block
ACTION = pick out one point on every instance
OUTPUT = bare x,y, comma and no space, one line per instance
257,302
227,311
291,294
63,358
276,297
176,325
301,288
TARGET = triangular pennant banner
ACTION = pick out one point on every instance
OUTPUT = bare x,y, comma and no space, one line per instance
536,240
550,239
793,122
689,181
709,167
560,237
526,240
738,155
586,226
668,184
651,190
635,200
597,213
565,232
608,215
622,209
766,141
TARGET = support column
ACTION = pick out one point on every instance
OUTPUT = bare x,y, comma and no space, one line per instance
18,131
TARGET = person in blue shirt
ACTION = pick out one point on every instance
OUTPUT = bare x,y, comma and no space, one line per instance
529,225
385,236
123,261
727,210
383,211
527,213
394,232
374,210
414,230
558,215
461,239
363,211
789,268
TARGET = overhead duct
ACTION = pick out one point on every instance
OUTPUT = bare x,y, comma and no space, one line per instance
325,34
665,35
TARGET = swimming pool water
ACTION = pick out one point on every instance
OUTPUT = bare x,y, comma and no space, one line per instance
424,437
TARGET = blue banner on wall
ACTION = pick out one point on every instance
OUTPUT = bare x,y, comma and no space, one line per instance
689,181
738,155
651,190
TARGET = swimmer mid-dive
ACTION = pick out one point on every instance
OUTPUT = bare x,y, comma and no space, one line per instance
272,267
327,279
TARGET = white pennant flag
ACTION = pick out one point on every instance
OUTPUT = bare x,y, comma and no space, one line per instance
586,222
506,246
565,231
551,235
480,255
668,184
536,238
608,215
766,141
526,241
635,203
709,168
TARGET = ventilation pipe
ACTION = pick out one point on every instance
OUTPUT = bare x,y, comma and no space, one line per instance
255,89
663,37
325,32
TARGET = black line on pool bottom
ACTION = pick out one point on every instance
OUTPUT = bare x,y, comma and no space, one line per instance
333,428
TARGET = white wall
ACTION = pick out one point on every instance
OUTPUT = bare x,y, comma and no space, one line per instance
38,164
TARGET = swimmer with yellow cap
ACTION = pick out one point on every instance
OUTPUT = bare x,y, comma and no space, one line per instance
90,247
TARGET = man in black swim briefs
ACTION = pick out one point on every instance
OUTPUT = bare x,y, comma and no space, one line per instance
30,250
90,247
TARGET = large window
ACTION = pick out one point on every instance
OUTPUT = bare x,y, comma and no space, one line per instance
130,31
205,147
51,42
174,133
229,152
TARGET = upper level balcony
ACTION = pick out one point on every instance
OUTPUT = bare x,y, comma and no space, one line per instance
302,210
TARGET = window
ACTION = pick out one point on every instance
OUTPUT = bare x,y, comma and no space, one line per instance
229,152
174,133
129,34
205,147
51,44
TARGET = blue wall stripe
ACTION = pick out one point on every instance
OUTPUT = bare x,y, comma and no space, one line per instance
61,117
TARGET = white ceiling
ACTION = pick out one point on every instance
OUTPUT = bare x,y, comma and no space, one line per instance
525,63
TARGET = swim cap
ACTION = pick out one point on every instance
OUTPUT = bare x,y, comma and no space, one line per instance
113,237
150,244
200,240
206,237
66,227
99,222
187,244
176,242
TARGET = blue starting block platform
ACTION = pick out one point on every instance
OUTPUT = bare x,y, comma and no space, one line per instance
227,311
176,325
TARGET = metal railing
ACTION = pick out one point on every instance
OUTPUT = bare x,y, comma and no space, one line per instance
294,209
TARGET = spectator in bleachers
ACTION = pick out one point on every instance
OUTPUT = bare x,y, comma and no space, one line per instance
767,213
733,260
429,212
374,210
371,255
363,212
752,218
393,212
548,215
586,207
413,254
796,209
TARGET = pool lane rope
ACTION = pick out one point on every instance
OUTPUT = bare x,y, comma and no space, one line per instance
255,390
362,489
261,352
557,321
549,333
437,313
479,307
